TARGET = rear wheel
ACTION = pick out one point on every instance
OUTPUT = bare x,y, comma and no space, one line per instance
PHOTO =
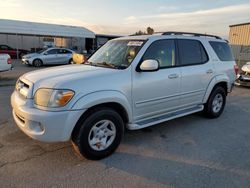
216,103
71,61
37,63
99,134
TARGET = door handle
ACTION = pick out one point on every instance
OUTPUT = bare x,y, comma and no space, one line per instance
210,71
172,76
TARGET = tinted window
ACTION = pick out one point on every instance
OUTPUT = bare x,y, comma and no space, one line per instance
64,51
191,52
4,47
163,51
222,50
53,51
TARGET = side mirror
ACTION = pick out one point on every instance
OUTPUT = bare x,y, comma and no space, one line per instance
149,65
45,53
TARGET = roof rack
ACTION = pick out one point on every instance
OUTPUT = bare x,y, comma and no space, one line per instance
189,33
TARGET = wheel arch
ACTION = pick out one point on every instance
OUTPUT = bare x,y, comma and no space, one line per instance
222,81
37,59
110,99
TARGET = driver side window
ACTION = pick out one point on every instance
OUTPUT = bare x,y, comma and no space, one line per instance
163,51
53,51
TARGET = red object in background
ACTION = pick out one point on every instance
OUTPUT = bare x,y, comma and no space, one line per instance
236,69
4,49
9,61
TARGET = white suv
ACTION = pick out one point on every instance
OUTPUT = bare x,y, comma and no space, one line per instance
131,82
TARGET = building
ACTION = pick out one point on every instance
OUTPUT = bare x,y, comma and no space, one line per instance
34,36
239,38
101,39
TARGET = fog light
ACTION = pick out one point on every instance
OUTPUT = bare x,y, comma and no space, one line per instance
36,127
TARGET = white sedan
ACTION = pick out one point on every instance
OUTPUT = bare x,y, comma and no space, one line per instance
5,62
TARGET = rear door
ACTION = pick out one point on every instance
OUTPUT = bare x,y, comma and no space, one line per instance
65,56
197,70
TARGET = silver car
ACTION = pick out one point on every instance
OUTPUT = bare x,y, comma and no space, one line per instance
50,56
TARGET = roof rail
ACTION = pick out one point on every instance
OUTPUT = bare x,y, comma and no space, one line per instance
189,33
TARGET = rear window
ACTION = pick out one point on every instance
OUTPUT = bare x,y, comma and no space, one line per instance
191,52
222,50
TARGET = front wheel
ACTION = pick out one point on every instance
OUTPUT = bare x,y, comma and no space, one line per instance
216,103
37,63
99,134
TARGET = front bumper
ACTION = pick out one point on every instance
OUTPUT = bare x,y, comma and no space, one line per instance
42,125
25,61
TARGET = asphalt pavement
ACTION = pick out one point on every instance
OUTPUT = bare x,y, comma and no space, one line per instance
187,152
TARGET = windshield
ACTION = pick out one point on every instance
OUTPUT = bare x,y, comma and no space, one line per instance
41,51
116,54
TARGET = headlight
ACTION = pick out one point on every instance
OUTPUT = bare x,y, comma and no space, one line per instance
53,97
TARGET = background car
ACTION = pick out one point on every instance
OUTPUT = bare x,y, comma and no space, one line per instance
50,56
5,62
14,53
243,78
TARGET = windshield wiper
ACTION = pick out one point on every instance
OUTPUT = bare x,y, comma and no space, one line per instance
88,63
107,64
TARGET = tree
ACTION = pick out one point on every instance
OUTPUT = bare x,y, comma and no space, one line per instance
140,33
149,31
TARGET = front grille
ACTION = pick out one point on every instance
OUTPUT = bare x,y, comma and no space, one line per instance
20,118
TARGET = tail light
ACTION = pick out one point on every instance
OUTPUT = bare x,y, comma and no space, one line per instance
9,61
236,69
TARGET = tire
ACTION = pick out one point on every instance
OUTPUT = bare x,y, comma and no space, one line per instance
70,61
89,139
216,103
37,63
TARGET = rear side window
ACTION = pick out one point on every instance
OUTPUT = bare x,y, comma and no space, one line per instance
222,50
191,52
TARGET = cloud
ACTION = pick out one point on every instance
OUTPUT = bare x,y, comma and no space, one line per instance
209,12
214,21
10,3
168,8
130,20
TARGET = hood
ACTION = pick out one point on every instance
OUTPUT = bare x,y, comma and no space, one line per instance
64,75
246,67
31,55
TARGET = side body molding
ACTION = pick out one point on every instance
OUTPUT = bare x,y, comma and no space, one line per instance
217,79
99,97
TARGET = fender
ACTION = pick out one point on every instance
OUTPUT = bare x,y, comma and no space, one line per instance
100,97
217,79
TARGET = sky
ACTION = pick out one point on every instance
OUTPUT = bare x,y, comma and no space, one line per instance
122,17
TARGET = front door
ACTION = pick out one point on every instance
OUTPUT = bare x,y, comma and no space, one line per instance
51,57
157,93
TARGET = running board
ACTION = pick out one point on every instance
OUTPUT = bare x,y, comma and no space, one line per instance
163,118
